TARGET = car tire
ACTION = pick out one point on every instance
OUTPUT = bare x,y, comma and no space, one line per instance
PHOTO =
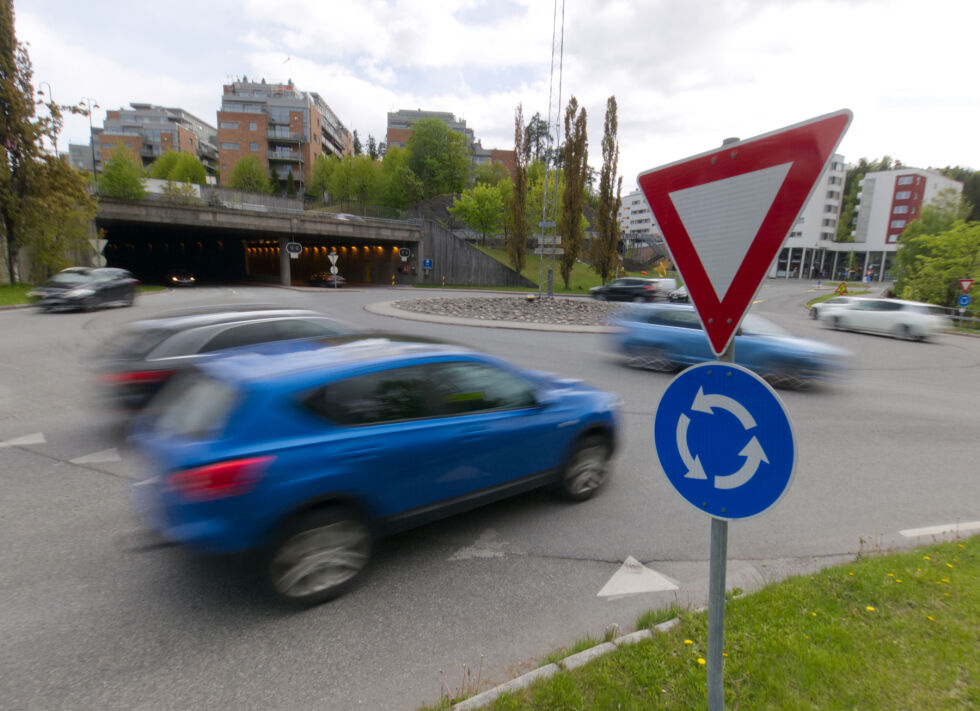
837,323
129,300
814,313
639,299
319,556
600,297
650,358
586,469
905,332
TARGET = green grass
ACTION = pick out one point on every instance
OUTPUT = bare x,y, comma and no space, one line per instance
144,288
897,631
11,294
826,297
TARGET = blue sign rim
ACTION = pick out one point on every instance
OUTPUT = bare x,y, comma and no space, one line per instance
789,424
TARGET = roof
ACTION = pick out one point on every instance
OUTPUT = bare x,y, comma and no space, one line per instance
207,316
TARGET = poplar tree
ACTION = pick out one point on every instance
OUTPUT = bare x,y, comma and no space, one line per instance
576,158
517,232
603,254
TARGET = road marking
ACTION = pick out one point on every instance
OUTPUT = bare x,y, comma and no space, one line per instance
488,545
961,527
36,438
106,455
634,578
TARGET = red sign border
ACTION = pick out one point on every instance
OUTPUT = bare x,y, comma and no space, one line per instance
965,284
807,145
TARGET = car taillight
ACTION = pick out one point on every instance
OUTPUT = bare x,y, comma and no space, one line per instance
648,288
137,376
220,480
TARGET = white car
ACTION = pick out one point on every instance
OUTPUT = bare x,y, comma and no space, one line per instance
903,319
830,304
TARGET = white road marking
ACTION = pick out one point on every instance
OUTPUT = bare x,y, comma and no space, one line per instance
634,578
106,455
36,438
961,527
488,545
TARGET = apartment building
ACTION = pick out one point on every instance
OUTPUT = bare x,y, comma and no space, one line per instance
148,131
285,128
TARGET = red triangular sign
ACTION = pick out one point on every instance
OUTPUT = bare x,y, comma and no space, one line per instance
724,214
965,284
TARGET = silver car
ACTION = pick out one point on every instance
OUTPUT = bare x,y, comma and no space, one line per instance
910,320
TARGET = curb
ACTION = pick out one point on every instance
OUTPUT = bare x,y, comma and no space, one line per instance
571,662
388,308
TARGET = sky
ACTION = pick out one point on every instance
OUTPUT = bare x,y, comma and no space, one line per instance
685,73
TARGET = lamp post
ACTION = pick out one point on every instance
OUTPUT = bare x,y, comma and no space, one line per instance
51,101
90,103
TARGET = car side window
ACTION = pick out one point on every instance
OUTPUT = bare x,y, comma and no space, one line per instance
463,387
383,396
243,335
303,328
679,319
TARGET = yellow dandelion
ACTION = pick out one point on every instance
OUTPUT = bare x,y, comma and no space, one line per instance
891,575
724,654
925,557
961,545
701,661
851,573
949,565
806,636
814,614
898,580
869,608
687,641
945,580
930,618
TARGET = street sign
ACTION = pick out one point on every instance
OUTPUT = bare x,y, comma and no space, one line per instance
549,239
427,264
404,253
965,284
549,250
294,247
963,301
333,257
842,289
334,270
724,440
544,224
725,213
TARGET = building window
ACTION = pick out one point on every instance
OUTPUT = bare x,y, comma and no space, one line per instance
229,146
905,180
233,125
833,194
898,223
903,195
900,210
253,146
829,222
830,208
834,180
891,239
253,126
826,235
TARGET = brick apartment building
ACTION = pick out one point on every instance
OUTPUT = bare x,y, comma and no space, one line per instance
149,131
286,129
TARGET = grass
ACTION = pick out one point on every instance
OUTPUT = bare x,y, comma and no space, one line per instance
826,297
12,294
895,631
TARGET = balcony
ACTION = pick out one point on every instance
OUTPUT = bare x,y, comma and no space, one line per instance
285,136
293,156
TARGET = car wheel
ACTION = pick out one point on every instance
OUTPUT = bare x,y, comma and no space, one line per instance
837,323
586,469
639,299
786,375
600,297
319,557
650,358
905,332
813,312
129,299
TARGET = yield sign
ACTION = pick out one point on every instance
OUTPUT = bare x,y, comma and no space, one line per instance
965,284
724,214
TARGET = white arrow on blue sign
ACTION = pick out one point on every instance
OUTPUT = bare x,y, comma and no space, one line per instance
963,300
724,440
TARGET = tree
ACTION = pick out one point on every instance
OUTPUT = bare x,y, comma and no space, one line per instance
602,253
162,167
575,170
179,168
936,218
323,167
41,196
398,186
482,208
490,173
290,184
537,139
342,180
364,178
372,148
358,148
941,260
971,188
517,225
248,175
122,176
438,156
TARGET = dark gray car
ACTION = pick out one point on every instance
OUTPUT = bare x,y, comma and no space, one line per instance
86,288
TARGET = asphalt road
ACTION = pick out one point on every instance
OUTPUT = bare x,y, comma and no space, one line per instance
95,613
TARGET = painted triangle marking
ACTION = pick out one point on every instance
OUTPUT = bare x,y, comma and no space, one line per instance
634,578
36,438
488,545
106,455
723,218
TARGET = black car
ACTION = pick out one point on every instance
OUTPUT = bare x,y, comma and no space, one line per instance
86,288
327,279
145,354
180,277
626,289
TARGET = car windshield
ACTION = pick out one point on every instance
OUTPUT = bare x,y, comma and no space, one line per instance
194,405
758,326
69,279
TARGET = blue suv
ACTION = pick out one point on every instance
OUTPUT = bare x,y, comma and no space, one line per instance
308,453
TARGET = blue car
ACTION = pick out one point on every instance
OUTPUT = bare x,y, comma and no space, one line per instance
308,453
669,337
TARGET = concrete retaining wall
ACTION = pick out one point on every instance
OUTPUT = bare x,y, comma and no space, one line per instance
461,263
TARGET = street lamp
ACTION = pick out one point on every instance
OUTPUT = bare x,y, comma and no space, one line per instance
90,103
51,101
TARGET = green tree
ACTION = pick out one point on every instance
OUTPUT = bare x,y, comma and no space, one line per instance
290,184
372,148
575,169
41,197
189,169
323,167
342,182
398,186
517,224
537,139
602,252
162,167
939,216
358,148
971,188
122,176
481,208
248,175
490,173
365,178
439,157
941,260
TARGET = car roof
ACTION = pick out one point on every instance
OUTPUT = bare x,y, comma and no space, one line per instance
180,321
286,359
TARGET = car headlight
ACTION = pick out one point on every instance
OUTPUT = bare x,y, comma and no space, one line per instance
173,278
79,293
